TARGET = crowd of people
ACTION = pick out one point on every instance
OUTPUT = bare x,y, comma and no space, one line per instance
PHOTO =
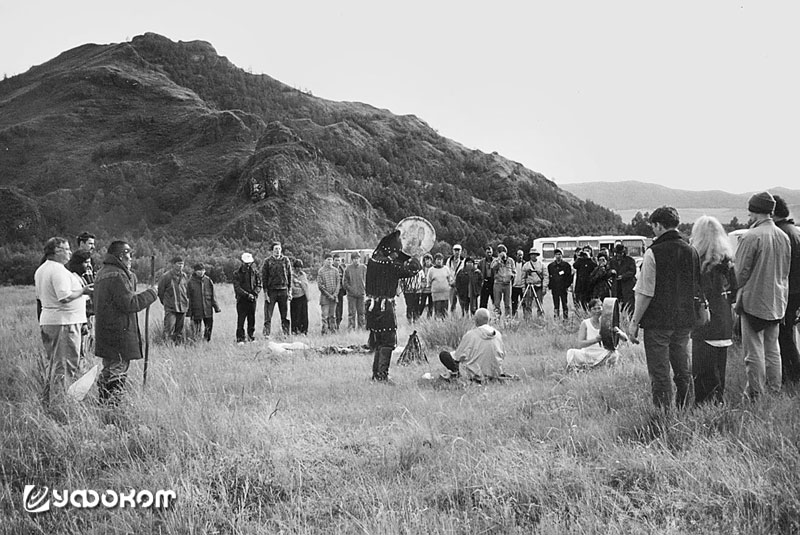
757,292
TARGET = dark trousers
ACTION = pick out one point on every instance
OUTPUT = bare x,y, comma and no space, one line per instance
665,348
339,308
245,311
464,302
280,297
440,308
708,371
209,326
412,306
384,343
299,311
560,302
426,300
516,299
487,291
790,359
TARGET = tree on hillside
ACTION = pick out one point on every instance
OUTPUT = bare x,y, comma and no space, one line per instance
640,225
734,224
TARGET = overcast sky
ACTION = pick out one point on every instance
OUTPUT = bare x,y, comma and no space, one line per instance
687,94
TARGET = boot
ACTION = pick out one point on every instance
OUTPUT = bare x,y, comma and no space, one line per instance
375,364
384,359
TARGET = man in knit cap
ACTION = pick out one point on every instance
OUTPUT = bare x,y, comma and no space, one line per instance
790,358
762,274
385,268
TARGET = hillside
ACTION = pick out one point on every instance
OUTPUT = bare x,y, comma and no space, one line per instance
169,140
628,197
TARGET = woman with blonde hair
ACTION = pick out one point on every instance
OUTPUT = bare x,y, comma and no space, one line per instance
710,342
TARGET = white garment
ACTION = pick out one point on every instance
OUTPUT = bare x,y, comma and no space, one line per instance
53,283
592,356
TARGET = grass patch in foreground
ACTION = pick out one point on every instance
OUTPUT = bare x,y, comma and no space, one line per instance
305,443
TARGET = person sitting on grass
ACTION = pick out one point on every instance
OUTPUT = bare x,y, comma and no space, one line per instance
481,351
591,353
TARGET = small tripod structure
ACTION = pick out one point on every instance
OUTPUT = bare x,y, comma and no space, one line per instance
413,351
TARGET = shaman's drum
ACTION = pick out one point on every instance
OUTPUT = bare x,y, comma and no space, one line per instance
417,235
609,322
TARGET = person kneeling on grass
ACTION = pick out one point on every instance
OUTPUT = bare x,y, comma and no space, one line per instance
591,352
481,350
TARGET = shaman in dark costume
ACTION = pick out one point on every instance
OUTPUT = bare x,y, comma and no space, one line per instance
387,266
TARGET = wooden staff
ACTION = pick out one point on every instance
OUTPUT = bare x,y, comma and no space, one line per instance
147,323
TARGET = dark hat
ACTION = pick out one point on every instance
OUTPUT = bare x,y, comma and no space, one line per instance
619,248
176,259
558,251
603,253
198,266
391,244
761,203
781,210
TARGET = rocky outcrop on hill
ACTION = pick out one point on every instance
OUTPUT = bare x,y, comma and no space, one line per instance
166,138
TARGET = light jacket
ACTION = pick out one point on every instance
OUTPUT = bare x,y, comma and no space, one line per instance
172,291
762,270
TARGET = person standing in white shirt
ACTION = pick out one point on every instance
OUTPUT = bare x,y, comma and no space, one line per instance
63,298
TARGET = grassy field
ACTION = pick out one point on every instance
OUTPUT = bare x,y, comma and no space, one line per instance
252,442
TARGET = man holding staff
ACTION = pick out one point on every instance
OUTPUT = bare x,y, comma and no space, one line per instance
118,339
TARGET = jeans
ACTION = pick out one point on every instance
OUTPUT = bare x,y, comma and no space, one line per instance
328,314
355,311
440,309
664,348
516,298
112,379
502,292
426,299
560,302
173,325
62,345
197,323
762,358
280,297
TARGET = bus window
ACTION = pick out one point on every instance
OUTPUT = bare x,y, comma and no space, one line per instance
567,247
635,247
547,250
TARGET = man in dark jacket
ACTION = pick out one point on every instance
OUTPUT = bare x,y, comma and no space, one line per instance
117,337
625,266
583,267
485,266
276,277
665,294
202,302
560,274
790,359
246,287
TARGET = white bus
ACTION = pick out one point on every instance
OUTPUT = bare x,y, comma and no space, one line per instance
636,245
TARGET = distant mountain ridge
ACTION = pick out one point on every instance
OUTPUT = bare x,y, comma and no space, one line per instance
164,139
628,197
